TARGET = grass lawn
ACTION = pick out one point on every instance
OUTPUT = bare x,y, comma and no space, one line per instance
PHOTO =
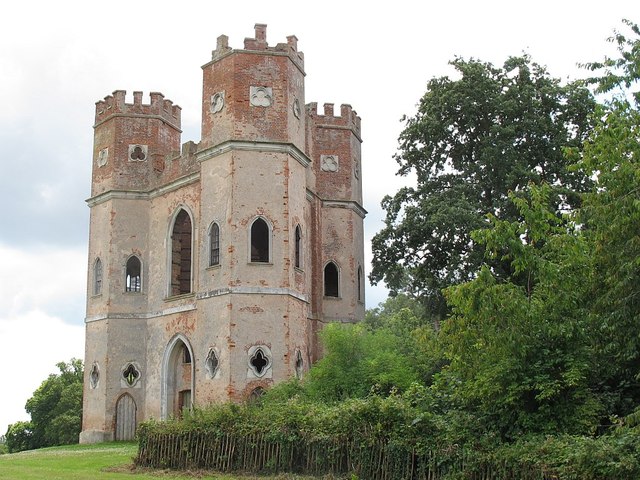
107,461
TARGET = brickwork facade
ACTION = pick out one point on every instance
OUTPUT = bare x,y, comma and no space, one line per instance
213,266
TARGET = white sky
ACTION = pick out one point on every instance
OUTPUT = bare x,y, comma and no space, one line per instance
58,58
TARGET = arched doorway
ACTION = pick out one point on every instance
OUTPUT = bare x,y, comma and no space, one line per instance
177,378
125,418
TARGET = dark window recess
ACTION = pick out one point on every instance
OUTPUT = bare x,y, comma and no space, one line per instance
259,361
260,241
134,279
130,374
138,153
359,284
181,254
331,280
214,243
94,376
298,247
186,355
212,363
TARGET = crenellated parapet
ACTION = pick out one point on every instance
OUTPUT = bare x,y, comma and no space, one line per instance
259,44
159,107
348,117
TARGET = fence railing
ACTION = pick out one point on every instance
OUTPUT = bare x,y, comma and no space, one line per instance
378,461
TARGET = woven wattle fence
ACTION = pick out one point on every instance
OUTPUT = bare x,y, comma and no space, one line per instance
255,453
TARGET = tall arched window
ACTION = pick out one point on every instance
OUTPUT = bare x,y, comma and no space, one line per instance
260,241
133,280
359,283
331,280
97,277
298,248
181,254
214,245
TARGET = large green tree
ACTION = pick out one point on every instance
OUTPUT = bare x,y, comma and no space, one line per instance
55,409
554,346
611,219
473,140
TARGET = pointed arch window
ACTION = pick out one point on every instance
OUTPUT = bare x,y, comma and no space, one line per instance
133,280
214,245
260,241
97,277
298,247
181,254
331,280
359,283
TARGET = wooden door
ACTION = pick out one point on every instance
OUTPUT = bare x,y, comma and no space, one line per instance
125,418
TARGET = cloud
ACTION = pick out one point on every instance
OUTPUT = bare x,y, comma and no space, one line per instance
42,279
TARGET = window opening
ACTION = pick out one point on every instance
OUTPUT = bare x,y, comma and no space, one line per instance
212,363
214,244
260,362
181,254
133,280
184,401
256,394
331,280
359,283
131,374
94,376
298,246
97,277
186,355
260,241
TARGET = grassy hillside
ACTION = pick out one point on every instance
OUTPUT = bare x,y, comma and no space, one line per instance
89,462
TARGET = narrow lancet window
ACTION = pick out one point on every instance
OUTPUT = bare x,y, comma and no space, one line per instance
181,254
260,241
214,245
331,280
298,248
133,281
97,277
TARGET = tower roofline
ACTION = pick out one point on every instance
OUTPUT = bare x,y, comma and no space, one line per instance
115,105
259,45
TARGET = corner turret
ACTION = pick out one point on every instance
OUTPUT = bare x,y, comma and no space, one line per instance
132,140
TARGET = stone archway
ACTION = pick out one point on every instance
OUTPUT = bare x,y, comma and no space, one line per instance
177,378
125,418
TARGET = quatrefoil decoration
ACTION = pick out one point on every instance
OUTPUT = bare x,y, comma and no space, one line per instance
130,374
260,361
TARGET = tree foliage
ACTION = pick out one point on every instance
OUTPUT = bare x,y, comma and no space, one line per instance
519,351
55,409
474,140
553,346
358,361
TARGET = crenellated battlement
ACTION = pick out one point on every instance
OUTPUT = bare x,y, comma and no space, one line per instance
348,117
259,44
158,107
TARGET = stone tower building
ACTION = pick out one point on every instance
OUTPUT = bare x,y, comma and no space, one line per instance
213,265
